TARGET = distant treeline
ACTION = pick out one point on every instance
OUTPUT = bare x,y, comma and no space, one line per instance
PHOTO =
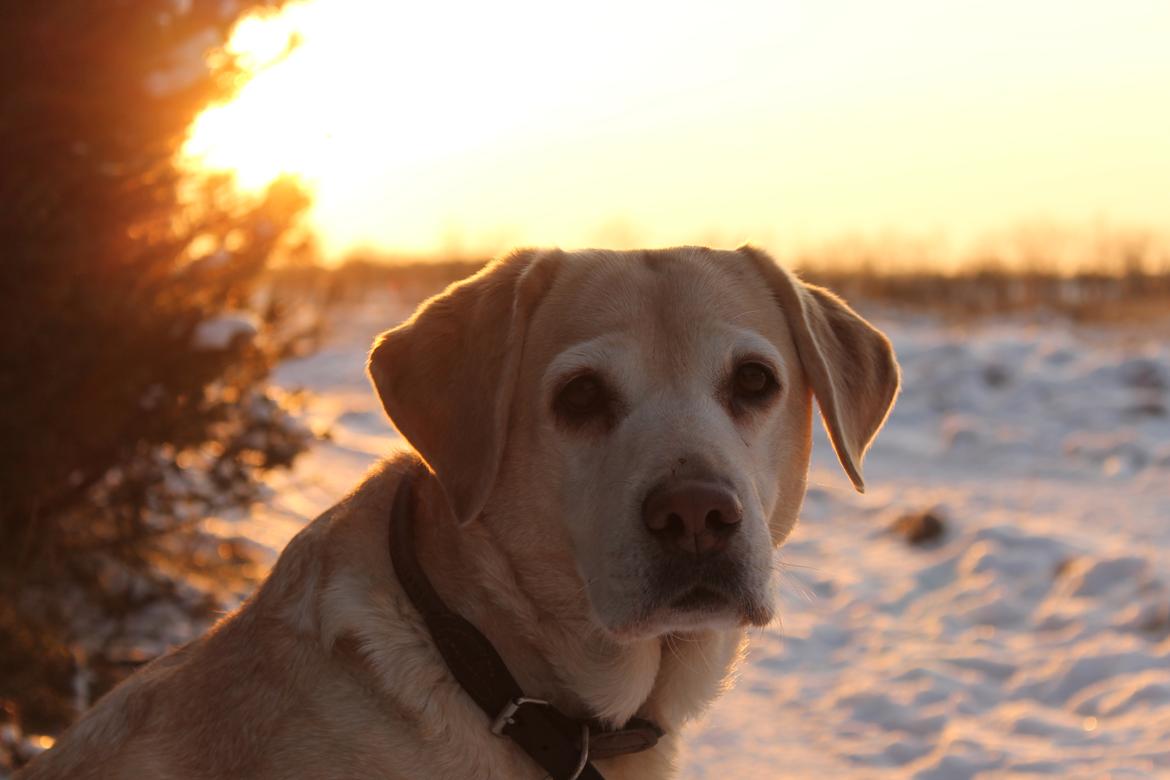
1085,295
1090,295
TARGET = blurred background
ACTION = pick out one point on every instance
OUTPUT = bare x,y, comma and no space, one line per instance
209,209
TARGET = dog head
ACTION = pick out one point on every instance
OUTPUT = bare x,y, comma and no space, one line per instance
637,424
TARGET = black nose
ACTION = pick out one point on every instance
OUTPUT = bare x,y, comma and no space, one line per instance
692,516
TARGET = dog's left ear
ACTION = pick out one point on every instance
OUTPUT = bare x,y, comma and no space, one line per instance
446,376
849,363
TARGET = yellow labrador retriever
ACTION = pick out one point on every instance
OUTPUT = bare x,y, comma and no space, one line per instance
614,444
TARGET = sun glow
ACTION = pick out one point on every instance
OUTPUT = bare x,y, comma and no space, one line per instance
353,95
451,128
282,121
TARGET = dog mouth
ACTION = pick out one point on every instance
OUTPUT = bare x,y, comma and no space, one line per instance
692,606
718,588
701,603
689,583
701,598
679,595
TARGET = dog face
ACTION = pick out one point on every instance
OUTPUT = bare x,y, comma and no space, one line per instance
662,394
637,424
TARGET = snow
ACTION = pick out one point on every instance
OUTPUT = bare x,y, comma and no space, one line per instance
222,330
1031,639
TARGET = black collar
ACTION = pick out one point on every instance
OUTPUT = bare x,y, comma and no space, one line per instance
563,746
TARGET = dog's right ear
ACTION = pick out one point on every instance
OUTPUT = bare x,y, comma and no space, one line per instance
849,363
446,376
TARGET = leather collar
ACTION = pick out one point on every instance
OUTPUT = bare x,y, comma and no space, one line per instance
562,746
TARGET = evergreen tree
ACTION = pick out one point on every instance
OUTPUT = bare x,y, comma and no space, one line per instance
132,399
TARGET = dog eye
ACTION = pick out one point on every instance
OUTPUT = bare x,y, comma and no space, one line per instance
753,382
582,398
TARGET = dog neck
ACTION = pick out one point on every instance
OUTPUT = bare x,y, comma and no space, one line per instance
551,643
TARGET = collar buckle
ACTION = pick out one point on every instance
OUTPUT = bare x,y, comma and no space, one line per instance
505,719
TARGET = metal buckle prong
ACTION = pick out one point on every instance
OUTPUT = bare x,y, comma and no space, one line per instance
504,719
584,752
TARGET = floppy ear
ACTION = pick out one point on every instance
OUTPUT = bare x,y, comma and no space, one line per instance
447,375
849,363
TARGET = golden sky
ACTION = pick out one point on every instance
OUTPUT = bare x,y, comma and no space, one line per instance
438,128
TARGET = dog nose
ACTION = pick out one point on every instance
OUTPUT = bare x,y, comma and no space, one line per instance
692,516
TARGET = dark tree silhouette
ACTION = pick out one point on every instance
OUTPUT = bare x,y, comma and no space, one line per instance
126,410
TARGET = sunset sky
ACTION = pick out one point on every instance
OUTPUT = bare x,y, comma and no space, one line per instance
437,128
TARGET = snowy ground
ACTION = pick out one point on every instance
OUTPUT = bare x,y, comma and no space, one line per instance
1032,639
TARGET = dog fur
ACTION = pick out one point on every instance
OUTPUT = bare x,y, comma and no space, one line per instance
527,525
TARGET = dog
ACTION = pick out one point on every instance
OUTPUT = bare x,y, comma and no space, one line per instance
607,449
